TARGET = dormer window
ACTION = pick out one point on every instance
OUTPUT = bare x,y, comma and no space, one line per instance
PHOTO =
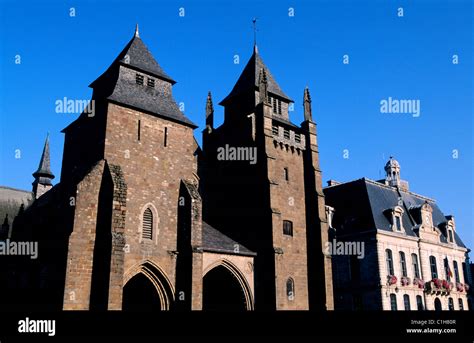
450,227
450,236
397,222
139,79
426,215
150,83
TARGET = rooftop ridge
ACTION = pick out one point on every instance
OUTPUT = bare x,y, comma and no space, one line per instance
15,189
392,187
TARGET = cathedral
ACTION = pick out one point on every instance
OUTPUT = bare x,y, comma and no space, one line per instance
143,218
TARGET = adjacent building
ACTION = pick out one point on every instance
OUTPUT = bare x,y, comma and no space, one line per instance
413,256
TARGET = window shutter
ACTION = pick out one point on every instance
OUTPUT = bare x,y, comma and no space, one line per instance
147,230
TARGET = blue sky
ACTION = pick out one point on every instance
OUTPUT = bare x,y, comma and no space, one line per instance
409,57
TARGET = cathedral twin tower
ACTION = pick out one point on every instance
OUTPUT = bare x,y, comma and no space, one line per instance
160,223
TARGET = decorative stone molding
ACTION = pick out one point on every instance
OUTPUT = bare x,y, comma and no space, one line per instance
289,138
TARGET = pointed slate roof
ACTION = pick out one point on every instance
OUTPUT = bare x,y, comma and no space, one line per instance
113,86
137,56
43,173
250,77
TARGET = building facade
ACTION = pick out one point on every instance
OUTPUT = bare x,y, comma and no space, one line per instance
144,219
413,257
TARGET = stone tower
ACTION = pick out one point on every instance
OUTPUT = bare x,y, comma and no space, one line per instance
43,174
125,165
263,188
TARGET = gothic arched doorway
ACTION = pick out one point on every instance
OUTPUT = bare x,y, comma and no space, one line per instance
146,289
437,304
139,294
223,291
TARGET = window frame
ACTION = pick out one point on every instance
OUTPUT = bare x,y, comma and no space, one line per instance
419,303
450,304
403,263
393,302
290,289
288,228
406,302
456,271
450,236
446,269
389,262
416,266
147,212
155,224
398,223
433,265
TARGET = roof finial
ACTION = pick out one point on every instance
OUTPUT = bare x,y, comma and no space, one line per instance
307,105
137,34
254,22
209,113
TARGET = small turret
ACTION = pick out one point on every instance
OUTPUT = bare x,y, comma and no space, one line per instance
43,174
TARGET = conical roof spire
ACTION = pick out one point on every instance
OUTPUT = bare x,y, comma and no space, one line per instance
43,174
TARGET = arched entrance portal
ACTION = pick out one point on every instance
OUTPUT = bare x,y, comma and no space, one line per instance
146,289
224,290
139,294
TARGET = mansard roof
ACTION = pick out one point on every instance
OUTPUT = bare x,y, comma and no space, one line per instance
114,86
249,78
362,205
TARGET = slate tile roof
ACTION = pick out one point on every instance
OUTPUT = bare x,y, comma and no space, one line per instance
215,241
249,79
361,205
111,85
